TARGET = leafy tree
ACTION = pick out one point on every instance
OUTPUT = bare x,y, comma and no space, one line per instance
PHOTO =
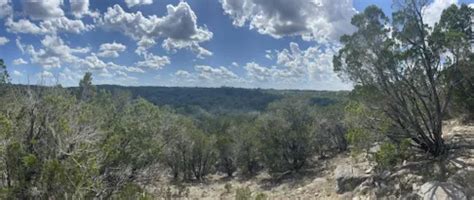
454,29
226,149
188,151
403,60
86,89
287,135
47,150
4,76
247,146
132,144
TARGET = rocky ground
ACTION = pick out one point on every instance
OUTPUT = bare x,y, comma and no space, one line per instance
346,177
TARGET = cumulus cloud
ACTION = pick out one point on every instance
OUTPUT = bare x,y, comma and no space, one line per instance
215,74
79,8
153,61
316,20
183,74
204,75
432,12
17,73
44,9
111,50
93,62
131,3
45,75
178,28
3,40
5,8
19,61
54,52
51,26
293,66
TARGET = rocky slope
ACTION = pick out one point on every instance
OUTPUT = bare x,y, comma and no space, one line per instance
346,177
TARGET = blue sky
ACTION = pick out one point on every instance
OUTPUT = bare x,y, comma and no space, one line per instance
208,43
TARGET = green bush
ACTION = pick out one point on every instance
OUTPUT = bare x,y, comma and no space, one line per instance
287,135
387,156
261,196
243,193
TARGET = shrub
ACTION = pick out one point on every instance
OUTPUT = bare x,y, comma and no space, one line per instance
261,196
287,135
243,194
387,156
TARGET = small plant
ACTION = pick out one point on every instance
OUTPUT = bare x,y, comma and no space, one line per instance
387,156
243,194
261,196
228,187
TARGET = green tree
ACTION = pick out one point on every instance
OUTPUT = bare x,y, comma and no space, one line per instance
86,89
4,76
247,146
133,143
454,30
402,61
287,135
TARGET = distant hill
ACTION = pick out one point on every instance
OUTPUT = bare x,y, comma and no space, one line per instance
222,99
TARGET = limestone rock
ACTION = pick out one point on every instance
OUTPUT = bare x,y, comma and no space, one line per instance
348,178
465,179
435,190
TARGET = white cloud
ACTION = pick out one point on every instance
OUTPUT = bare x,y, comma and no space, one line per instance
17,73
3,40
259,73
79,8
178,28
297,68
45,75
23,26
153,61
131,3
207,76
92,62
215,74
19,61
111,50
54,52
318,20
44,9
5,8
183,74
50,26
432,12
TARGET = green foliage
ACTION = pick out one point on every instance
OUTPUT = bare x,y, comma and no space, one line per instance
133,191
287,135
365,126
4,76
261,196
228,187
405,65
247,147
86,143
387,156
227,154
86,89
243,193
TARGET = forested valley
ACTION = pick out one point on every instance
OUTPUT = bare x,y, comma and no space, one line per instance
402,132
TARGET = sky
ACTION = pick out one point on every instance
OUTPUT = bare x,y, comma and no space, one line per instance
280,44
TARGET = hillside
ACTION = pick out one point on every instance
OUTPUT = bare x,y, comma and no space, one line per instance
223,99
